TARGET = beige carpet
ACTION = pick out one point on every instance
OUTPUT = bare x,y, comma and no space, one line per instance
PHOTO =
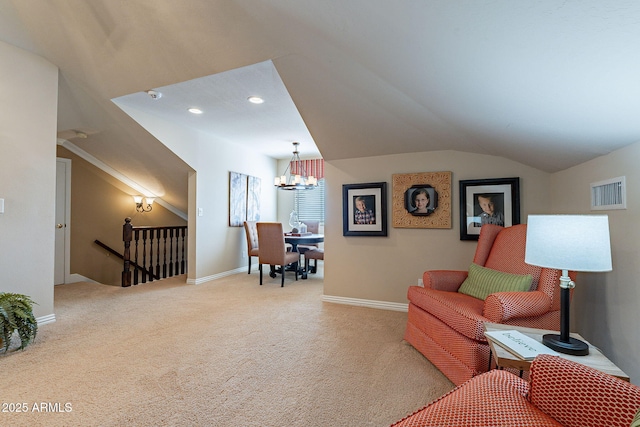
224,353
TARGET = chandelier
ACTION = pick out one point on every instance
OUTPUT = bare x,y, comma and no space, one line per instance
298,181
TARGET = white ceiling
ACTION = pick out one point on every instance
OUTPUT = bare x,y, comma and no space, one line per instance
549,84
269,128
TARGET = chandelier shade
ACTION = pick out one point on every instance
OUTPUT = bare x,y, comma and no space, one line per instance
296,177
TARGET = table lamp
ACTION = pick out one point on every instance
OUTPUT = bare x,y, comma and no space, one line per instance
568,243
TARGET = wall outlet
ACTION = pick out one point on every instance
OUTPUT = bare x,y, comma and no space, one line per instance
244,254
420,283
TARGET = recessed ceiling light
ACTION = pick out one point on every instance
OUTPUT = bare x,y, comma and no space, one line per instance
255,100
195,110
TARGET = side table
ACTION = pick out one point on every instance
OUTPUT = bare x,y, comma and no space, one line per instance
504,359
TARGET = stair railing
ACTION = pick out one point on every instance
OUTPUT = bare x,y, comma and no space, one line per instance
158,252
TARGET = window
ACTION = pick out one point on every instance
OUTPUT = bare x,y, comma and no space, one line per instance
310,203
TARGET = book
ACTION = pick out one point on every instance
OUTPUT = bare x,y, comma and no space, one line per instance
519,344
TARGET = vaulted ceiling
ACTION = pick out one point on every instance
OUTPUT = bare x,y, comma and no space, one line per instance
549,84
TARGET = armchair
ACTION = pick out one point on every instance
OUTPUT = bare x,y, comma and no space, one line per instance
446,325
561,393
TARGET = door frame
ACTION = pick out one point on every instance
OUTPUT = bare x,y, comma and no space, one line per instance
67,218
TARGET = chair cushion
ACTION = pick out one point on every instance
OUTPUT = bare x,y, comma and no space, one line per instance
462,313
636,419
314,254
482,282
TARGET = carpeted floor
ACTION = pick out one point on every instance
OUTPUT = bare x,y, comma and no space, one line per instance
224,353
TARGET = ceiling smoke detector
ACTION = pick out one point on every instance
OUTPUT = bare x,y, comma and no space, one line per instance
154,94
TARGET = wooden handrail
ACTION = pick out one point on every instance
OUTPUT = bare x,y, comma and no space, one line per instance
151,238
116,253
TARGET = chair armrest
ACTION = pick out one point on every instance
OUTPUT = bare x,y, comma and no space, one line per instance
577,395
480,401
502,306
443,280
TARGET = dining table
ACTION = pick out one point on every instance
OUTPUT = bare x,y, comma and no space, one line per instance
295,239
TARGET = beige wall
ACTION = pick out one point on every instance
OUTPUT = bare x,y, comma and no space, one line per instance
605,305
215,248
381,268
28,116
99,205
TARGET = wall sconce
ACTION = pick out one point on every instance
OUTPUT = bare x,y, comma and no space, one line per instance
140,206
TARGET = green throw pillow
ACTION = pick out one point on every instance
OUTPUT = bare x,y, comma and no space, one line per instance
636,419
482,282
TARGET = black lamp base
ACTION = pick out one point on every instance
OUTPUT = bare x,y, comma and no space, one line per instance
574,347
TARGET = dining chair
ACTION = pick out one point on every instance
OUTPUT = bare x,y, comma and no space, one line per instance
252,240
313,226
273,250
313,254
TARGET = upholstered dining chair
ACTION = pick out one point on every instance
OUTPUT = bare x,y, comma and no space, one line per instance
273,250
313,226
251,231
313,254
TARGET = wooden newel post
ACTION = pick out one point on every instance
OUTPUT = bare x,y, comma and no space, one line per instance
127,231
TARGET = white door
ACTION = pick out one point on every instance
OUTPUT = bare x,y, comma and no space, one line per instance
63,185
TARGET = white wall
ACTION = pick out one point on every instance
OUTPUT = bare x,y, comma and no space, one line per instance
381,268
285,199
605,305
28,117
214,247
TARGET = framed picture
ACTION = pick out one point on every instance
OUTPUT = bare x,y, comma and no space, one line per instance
364,209
422,200
253,198
244,198
488,201
237,199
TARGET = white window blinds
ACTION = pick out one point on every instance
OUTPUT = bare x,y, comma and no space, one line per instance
310,203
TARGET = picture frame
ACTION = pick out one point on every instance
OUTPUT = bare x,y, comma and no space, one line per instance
244,198
254,188
500,197
237,199
364,209
436,190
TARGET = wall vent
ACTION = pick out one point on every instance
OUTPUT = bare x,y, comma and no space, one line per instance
609,194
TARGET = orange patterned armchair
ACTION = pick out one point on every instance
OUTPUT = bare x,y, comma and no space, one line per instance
446,326
560,393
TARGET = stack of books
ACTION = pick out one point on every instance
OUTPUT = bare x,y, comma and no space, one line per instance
518,344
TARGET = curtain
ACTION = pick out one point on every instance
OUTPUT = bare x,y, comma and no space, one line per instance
313,167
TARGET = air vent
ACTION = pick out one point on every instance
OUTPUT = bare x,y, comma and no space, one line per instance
609,194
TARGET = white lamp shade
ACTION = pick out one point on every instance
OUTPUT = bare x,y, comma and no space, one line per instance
569,242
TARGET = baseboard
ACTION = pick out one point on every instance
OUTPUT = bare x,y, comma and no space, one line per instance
43,320
201,280
75,278
384,305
